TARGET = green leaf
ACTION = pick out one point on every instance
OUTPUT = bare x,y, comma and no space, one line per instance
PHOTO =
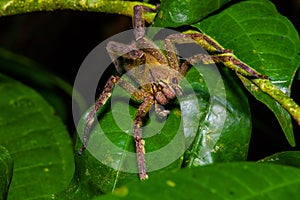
51,87
217,182
281,114
183,12
219,141
290,158
265,40
6,169
37,141
94,166
216,141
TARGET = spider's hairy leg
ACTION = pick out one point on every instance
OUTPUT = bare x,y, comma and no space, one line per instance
206,42
105,95
137,134
220,54
150,47
138,20
139,31
135,93
148,101
230,61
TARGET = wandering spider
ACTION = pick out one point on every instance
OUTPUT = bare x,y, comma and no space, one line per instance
156,87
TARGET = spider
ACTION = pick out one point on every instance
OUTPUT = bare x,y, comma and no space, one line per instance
157,87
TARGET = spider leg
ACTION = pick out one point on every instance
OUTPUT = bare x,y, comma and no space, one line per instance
138,20
105,95
150,47
228,59
206,42
137,134
139,31
221,55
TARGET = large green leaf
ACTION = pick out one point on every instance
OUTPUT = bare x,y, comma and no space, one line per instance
177,12
222,131
218,141
51,87
265,40
6,171
217,182
282,115
37,141
115,123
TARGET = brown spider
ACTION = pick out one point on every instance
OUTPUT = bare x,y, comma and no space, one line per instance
161,74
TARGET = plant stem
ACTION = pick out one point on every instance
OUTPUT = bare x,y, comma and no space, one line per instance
289,104
13,7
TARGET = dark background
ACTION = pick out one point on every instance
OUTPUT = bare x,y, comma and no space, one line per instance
61,40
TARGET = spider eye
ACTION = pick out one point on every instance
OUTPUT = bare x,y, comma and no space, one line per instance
174,80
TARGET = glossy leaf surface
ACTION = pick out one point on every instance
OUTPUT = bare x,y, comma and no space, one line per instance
50,86
212,127
178,13
218,182
265,40
218,140
37,141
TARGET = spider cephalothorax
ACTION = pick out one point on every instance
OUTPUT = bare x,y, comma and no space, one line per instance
157,75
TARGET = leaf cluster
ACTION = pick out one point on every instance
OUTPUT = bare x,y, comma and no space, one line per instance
37,159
